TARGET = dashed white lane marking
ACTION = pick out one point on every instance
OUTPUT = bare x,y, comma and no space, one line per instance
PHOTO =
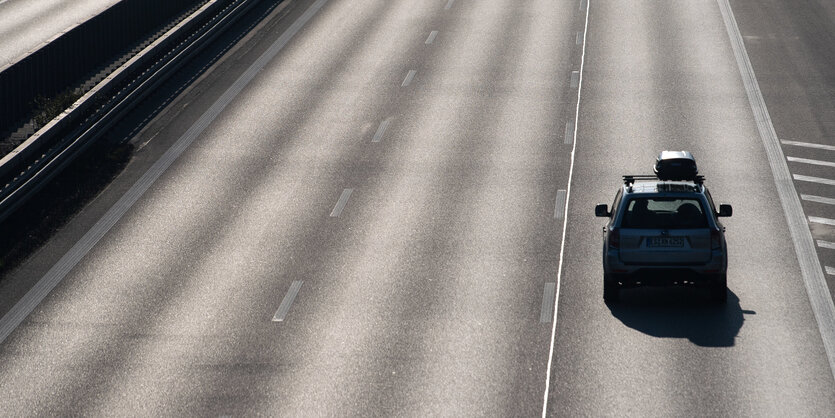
569,132
579,39
380,131
810,161
41,289
809,145
559,205
409,77
826,244
431,37
284,307
819,220
340,204
811,179
818,199
565,219
575,79
830,270
547,303
449,4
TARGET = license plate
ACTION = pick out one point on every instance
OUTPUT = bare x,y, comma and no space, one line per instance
665,242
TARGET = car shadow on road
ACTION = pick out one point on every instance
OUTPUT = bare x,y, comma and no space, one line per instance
681,313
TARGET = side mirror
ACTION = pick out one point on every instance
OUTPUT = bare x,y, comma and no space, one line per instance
725,210
602,211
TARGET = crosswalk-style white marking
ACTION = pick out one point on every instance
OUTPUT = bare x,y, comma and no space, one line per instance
810,161
808,145
825,221
811,179
826,244
818,199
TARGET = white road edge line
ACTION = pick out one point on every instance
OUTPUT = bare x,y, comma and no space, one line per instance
809,145
284,307
431,37
810,161
565,219
41,289
807,256
340,204
547,302
409,77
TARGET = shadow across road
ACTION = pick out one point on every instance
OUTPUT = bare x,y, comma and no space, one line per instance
681,313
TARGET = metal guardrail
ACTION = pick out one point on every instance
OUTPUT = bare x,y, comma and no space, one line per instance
31,165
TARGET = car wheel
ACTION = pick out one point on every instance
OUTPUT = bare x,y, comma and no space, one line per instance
611,291
719,289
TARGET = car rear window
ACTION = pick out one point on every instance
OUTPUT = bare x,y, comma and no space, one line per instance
664,213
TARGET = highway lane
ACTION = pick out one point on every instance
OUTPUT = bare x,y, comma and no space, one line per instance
662,75
792,47
421,292
26,24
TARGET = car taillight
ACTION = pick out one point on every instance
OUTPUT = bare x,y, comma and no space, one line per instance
614,238
715,239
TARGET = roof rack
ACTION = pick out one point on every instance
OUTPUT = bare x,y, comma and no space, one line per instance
630,179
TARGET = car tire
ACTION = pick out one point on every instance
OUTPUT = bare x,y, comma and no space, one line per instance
611,291
719,289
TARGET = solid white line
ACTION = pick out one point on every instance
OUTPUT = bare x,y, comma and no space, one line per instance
830,270
826,244
825,221
811,179
818,199
809,145
547,303
559,206
340,204
569,132
431,37
807,257
409,77
808,161
41,289
449,4
565,220
575,79
284,307
380,131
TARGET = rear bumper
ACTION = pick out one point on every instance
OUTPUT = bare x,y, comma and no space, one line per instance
664,275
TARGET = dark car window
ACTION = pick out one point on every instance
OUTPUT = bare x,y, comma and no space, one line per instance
664,213
616,203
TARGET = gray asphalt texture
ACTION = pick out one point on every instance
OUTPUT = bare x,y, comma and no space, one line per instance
424,296
25,25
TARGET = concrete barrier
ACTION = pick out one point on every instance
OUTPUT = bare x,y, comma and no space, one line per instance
80,51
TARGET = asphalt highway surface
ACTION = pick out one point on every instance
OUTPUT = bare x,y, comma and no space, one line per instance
25,25
379,207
